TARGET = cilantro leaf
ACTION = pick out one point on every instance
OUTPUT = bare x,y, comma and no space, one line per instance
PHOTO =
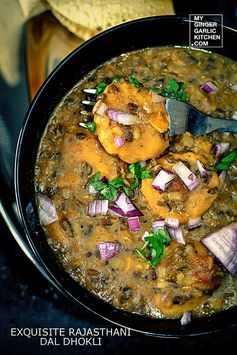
139,173
132,78
110,189
137,170
117,78
153,249
100,87
226,162
175,89
91,126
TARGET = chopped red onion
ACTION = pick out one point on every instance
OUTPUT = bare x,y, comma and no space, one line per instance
220,148
134,224
146,234
186,318
172,222
201,169
209,87
119,141
194,223
162,180
123,117
47,210
116,211
109,249
98,207
159,224
222,179
223,245
176,234
102,109
91,189
125,204
186,175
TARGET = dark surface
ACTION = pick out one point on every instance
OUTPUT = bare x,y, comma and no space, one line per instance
26,297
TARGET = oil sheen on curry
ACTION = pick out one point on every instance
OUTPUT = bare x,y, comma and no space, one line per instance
143,220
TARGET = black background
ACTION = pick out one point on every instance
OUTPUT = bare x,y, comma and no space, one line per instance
27,300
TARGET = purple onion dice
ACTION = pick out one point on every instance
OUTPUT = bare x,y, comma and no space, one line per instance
223,245
119,141
176,234
109,249
134,224
98,207
162,180
123,117
201,169
194,223
47,211
220,148
186,175
127,206
209,87
159,224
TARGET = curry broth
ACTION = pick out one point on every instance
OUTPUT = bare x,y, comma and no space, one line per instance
69,155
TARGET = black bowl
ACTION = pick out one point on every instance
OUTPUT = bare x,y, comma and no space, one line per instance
142,33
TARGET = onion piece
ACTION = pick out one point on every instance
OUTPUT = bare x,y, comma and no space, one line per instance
172,222
186,318
194,223
162,180
134,224
156,225
119,141
120,213
123,117
101,109
109,249
222,179
47,210
127,206
186,175
209,87
220,148
91,189
97,207
201,169
176,234
223,245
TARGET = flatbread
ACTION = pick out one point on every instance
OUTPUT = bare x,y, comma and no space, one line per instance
85,18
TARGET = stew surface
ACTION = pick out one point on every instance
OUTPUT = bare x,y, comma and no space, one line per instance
112,191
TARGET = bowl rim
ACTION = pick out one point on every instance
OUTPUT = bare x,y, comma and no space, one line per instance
189,330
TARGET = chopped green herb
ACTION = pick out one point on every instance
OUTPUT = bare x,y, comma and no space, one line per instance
109,189
176,90
132,78
226,162
117,78
139,174
153,249
100,87
90,125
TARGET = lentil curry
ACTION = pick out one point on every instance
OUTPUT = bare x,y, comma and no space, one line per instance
127,208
